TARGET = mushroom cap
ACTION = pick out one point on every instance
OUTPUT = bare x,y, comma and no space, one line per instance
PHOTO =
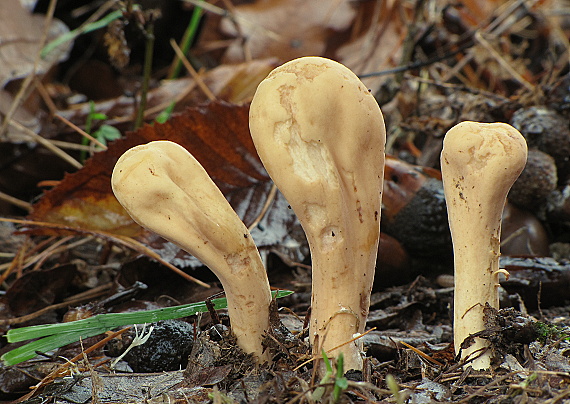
166,190
479,164
321,137
489,156
317,130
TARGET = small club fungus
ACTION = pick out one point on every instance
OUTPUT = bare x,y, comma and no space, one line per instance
164,189
479,164
321,136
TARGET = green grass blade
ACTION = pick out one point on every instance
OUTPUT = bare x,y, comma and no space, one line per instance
53,336
71,35
46,344
109,321
187,40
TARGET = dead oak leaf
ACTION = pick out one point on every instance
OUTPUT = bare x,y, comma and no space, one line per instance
217,135
377,44
20,36
286,29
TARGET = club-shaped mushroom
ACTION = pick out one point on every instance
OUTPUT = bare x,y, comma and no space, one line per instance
479,164
164,189
321,137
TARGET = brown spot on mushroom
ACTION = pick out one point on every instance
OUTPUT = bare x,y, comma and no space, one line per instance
487,158
359,210
330,171
207,227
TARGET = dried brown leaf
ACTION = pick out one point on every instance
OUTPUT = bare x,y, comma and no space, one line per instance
231,83
378,44
20,35
285,29
217,135
37,289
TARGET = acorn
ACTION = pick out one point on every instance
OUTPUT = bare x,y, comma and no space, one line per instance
558,95
548,131
558,205
393,265
536,182
414,210
522,234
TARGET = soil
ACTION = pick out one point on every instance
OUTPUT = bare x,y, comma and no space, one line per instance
443,67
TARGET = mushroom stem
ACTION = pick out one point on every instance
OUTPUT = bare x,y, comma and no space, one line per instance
164,189
479,164
321,136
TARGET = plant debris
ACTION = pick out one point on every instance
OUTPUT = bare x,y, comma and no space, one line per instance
69,251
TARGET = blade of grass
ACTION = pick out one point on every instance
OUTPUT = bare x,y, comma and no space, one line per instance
53,336
108,321
340,382
43,345
187,40
84,29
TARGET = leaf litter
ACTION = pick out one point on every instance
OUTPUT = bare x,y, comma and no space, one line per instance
479,60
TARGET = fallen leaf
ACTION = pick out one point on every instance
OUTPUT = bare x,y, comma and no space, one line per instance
37,289
22,115
231,83
285,29
378,44
218,137
21,34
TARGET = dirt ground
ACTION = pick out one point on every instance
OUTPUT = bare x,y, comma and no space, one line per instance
110,81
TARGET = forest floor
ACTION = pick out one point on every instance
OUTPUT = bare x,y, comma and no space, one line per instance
112,81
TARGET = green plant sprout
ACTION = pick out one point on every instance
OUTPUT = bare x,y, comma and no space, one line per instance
517,389
165,114
218,397
340,382
103,134
394,388
53,336
548,331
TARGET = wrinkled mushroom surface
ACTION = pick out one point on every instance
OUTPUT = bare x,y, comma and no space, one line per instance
479,164
321,136
164,189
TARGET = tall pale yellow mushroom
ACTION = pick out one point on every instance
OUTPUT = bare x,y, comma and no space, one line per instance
167,191
321,137
479,164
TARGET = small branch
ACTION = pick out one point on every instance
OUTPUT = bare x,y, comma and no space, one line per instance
192,71
148,55
47,144
80,131
26,84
